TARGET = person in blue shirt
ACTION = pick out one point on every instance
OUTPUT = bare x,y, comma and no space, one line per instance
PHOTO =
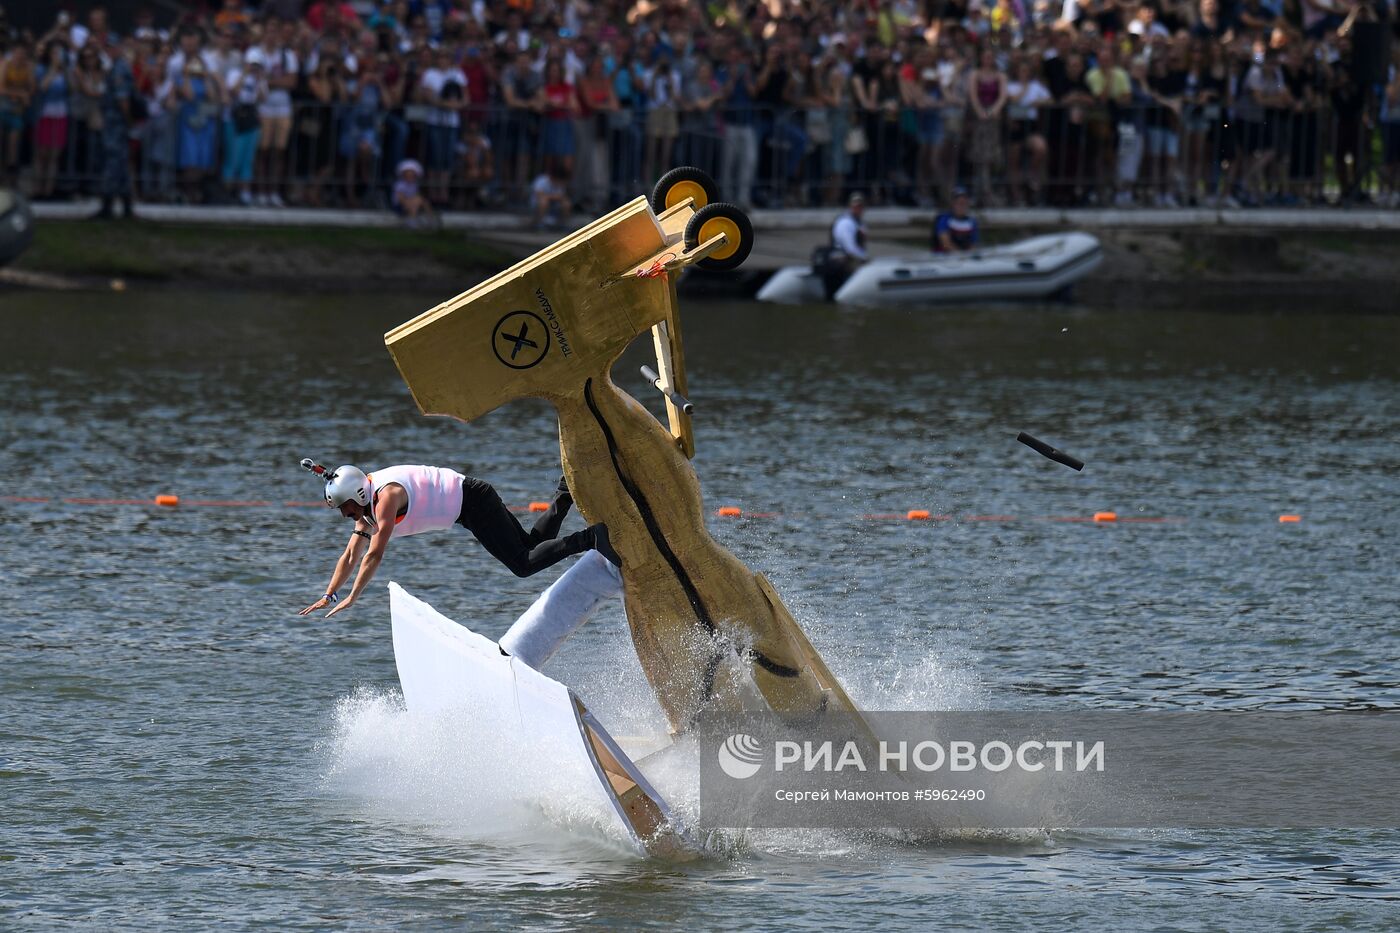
629,87
956,230
435,12
739,152
118,92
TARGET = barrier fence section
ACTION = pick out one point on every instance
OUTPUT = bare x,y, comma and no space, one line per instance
1050,153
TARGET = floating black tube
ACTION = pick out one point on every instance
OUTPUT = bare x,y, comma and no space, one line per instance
1059,456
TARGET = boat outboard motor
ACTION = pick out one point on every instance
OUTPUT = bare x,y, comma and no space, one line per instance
16,225
832,264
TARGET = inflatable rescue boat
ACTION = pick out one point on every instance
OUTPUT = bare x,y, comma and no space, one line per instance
1039,268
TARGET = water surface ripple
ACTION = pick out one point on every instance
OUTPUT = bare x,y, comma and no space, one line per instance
179,751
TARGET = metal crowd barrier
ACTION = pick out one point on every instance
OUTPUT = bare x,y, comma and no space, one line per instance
1066,156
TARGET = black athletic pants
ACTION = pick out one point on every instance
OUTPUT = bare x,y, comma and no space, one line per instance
524,552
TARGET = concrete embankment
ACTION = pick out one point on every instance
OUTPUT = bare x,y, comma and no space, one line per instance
1260,260
1225,260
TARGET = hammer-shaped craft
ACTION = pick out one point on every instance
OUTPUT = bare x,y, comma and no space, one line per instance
552,327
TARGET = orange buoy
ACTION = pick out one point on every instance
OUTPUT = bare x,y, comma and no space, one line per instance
167,500
539,506
1290,518
729,511
1105,516
918,515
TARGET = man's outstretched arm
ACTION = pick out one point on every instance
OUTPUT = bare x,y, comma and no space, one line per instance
385,511
343,567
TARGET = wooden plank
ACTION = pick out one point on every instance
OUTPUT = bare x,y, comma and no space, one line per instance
651,820
670,366
542,327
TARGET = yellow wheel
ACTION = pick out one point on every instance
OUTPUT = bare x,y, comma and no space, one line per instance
713,220
681,183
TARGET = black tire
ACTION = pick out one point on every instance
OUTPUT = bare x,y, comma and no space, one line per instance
681,183
721,218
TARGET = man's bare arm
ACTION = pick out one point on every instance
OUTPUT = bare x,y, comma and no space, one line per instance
386,510
343,567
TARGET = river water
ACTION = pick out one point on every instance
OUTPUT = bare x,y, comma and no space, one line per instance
178,750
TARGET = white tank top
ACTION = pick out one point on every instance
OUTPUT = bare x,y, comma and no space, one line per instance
434,496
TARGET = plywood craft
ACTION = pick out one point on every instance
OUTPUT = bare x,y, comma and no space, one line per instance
551,327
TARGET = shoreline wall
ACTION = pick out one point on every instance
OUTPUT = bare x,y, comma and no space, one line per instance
1254,260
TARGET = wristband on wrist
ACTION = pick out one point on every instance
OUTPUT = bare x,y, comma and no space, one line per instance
329,596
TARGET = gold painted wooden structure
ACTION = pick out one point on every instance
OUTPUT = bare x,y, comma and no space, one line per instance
552,327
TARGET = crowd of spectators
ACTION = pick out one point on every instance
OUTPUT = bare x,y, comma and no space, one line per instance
436,104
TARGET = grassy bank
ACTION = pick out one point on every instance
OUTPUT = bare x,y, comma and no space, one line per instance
1206,267
299,258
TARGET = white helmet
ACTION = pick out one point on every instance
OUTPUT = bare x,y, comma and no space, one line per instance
346,483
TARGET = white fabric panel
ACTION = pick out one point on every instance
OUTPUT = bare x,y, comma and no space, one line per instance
445,666
562,608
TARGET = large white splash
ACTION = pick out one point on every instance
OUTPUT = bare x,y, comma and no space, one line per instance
467,778
459,776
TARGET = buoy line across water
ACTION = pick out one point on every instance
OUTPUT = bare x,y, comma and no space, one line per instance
168,500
